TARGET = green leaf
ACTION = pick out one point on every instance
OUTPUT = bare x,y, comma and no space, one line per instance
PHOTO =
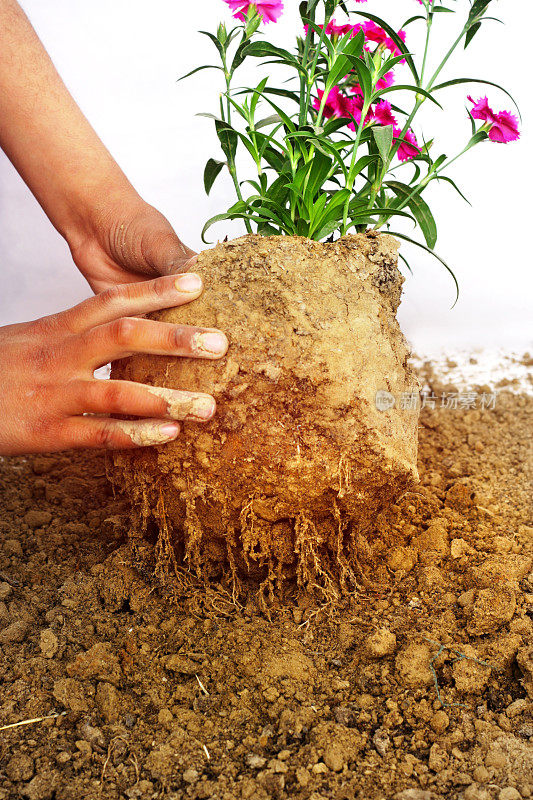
265,49
471,33
433,253
213,169
452,182
412,19
256,96
396,39
344,61
420,210
405,261
457,81
271,120
320,169
383,135
228,138
218,44
199,69
407,87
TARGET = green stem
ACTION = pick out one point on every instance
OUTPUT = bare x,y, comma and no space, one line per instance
421,99
431,176
231,161
303,90
351,176
429,23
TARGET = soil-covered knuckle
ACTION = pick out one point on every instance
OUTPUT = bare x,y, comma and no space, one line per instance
181,338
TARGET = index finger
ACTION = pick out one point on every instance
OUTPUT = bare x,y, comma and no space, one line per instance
133,299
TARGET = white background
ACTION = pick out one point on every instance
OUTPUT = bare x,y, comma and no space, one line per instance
121,58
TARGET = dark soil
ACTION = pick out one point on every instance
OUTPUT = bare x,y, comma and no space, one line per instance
415,687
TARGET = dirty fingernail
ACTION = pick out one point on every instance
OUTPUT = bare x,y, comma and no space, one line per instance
203,408
190,282
212,342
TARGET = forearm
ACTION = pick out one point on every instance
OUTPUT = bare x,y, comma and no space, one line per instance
46,136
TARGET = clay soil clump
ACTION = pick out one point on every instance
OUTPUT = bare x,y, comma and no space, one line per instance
298,460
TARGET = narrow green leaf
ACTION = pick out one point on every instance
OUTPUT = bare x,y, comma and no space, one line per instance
407,87
457,81
218,44
396,39
433,253
199,69
471,33
420,209
271,120
452,183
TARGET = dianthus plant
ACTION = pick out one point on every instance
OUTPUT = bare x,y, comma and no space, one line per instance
334,153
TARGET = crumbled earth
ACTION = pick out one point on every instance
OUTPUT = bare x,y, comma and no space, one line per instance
419,686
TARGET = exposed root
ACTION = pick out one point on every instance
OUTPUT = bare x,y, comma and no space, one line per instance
344,474
193,534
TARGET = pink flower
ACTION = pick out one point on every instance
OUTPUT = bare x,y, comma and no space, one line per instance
374,33
383,114
340,105
357,109
270,10
337,104
503,125
383,83
409,147
332,29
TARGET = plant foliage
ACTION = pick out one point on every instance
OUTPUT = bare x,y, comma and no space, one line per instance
330,152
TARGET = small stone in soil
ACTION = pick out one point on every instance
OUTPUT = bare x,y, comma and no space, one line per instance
37,519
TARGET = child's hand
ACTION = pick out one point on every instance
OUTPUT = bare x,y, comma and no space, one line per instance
47,369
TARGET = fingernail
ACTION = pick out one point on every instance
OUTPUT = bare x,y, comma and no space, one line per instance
212,342
203,408
169,431
190,282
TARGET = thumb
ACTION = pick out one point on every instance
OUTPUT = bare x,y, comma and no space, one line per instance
165,253
151,246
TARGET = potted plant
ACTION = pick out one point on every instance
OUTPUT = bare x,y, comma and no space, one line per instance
316,429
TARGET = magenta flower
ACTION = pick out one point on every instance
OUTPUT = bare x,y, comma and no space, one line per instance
383,83
337,104
383,114
503,125
270,10
374,33
357,109
332,29
409,147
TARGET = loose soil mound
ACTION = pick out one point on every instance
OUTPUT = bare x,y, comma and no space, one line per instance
417,687
298,459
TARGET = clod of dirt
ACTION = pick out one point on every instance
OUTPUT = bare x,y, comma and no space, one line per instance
300,456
